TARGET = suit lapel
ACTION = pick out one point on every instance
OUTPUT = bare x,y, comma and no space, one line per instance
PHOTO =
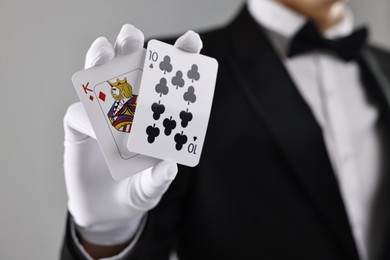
378,87
271,92
378,83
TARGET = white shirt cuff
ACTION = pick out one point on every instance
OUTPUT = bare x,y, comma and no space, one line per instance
121,255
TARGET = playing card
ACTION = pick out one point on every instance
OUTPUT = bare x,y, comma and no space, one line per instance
174,104
109,95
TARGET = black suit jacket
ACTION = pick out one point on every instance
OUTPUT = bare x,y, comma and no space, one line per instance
264,188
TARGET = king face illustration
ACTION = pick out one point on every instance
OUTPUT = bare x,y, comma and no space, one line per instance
122,111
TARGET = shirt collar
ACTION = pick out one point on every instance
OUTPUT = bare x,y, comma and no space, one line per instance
275,17
282,23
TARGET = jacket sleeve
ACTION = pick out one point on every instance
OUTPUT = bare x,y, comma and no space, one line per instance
161,230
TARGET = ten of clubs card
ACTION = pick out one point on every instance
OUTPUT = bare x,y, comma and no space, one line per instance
173,110
149,106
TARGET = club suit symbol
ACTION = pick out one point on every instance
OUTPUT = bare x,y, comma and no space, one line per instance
157,109
193,73
180,140
190,96
166,65
178,80
169,125
152,132
162,88
185,117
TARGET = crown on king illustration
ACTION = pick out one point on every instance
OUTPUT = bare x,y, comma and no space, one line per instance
118,82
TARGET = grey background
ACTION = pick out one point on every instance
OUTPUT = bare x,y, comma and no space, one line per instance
43,43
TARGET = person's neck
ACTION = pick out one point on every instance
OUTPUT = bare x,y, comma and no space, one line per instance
324,17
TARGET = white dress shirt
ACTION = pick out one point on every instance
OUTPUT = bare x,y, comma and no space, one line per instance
332,89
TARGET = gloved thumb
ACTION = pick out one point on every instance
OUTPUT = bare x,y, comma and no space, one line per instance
190,42
146,188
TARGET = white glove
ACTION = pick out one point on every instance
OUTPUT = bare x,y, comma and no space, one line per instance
107,212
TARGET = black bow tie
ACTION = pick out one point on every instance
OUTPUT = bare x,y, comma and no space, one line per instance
309,38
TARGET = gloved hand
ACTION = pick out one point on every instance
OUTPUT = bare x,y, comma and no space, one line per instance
105,211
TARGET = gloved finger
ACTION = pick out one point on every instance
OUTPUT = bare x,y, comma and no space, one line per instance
129,39
77,126
145,189
190,42
100,52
